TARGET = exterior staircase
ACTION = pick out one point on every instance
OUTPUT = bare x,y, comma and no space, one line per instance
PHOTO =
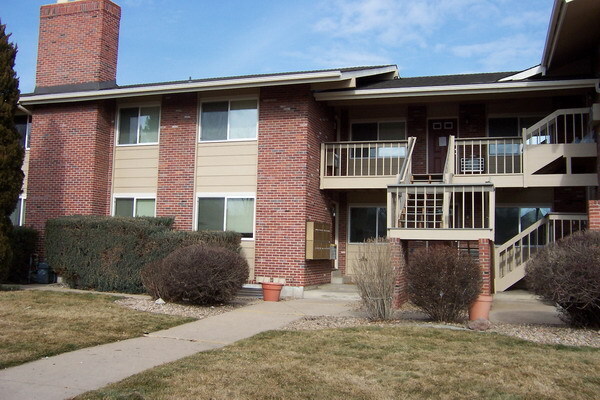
511,257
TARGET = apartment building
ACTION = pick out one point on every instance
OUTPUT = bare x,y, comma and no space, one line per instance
308,165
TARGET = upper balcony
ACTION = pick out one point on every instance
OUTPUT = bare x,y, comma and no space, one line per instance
559,150
364,165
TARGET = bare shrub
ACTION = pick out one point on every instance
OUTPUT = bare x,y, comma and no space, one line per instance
567,273
443,282
196,274
375,277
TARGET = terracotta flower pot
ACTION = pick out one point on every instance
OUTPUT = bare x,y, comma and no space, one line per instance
480,308
271,291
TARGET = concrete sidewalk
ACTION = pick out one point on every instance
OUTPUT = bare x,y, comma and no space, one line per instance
69,374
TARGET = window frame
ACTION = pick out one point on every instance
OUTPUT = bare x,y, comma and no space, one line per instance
226,196
21,208
27,130
139,106
135,197
363,205
203,101
357,154
519,117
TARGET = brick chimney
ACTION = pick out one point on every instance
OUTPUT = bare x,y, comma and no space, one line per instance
78,45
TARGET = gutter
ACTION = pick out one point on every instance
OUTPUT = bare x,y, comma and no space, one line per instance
447,90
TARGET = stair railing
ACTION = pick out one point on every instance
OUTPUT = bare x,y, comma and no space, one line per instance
562,126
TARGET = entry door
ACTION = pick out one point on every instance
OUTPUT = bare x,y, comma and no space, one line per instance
438,134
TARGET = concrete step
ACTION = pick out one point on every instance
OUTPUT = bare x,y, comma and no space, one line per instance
333,291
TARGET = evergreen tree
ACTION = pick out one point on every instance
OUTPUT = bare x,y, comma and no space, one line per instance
11,152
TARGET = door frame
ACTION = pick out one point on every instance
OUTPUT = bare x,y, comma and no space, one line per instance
427,135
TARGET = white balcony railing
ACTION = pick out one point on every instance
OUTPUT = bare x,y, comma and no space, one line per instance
488,156
363,159
441,206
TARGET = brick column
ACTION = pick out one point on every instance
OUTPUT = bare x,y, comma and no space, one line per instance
398,256
485,265
176,159
593,211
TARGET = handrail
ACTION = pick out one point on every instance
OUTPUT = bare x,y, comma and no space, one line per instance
547,122
408,160
522,234
366,141
488,156
376,158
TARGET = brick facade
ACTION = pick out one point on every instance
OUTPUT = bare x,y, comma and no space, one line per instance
416,126
471,120
593,212
78,43
291,127
176,159
398,256
70,161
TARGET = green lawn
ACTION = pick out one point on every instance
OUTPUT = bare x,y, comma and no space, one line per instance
372,363
35,324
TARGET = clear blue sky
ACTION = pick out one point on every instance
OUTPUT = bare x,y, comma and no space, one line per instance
164,40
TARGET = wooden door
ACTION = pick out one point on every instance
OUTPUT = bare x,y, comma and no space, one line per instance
439,131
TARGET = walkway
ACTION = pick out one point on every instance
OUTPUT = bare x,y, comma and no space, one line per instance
67,375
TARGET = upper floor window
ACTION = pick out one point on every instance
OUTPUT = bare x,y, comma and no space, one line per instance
23,125
375,131
134,207
139,125
229,120
509,126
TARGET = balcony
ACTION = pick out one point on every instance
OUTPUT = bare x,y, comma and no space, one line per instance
441,211
364,165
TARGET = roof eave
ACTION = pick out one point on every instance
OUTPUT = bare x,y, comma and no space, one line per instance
234,83
449,90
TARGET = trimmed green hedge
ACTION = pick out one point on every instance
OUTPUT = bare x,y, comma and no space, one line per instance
108,253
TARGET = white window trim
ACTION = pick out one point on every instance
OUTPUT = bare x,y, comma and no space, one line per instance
378,121
135,197
361,205
28,133
21,209
226,195
139,106
228,100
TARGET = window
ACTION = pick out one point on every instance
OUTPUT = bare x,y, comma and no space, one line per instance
229,120
510,126
512,220
378,131
139,125
367,223
226,214
134,207
23,125
17,215
372,131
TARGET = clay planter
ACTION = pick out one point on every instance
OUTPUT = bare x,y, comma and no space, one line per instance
271,291
480,308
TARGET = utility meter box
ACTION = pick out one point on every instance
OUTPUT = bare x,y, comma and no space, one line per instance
318,241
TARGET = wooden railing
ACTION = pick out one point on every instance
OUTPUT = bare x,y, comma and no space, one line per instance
441,206
562,126
488,156
510,258
363,159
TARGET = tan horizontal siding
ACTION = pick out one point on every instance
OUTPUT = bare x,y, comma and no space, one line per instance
135,169
227,167
248,253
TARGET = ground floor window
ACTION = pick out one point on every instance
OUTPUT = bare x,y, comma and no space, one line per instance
227,213
134,207
512,220
17,215
367,222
